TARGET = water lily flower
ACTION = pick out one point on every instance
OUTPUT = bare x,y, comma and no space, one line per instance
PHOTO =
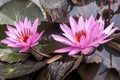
84,35
24,35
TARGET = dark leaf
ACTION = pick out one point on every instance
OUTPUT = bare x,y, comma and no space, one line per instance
44,75
2,31
88,71
74,75
60,69
56,9
47,43
116,36
112,74
8,71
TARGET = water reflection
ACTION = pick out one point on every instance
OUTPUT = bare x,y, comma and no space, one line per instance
94,7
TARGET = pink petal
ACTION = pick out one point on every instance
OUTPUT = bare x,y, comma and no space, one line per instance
38,37
88,24
63,40
83,42
108,28
11,35
73,25
74,51
24,49
101,22
86,51
70,38
89,27
22,44
17,25
104,41
11,29
68,33
34,44
26,23
35,26
81,24
32,38
94,31
14,45
6,41
97,41
63,50
11,39
22,25
10,43
112,31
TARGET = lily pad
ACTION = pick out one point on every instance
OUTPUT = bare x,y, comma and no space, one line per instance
112,74
8,71
88,71
55,9
4,19
58,70
18,10
47,42
7,55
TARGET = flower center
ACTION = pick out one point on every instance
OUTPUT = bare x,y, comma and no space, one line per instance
79,34
24,35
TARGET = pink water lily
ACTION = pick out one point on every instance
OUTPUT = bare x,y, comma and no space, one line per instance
83,35
24,35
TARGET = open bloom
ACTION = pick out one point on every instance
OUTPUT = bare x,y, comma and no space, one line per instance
83,35
24,35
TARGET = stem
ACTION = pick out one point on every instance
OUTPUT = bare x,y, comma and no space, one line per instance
110,60
109,7
40,53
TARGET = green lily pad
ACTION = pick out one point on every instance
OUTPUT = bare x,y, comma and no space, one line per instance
4,19
7,55
18,10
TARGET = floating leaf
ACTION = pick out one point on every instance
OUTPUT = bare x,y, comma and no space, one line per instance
4,19
8,71
58,70
88,71
112,74
18,10
47,44
56,9
9,56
